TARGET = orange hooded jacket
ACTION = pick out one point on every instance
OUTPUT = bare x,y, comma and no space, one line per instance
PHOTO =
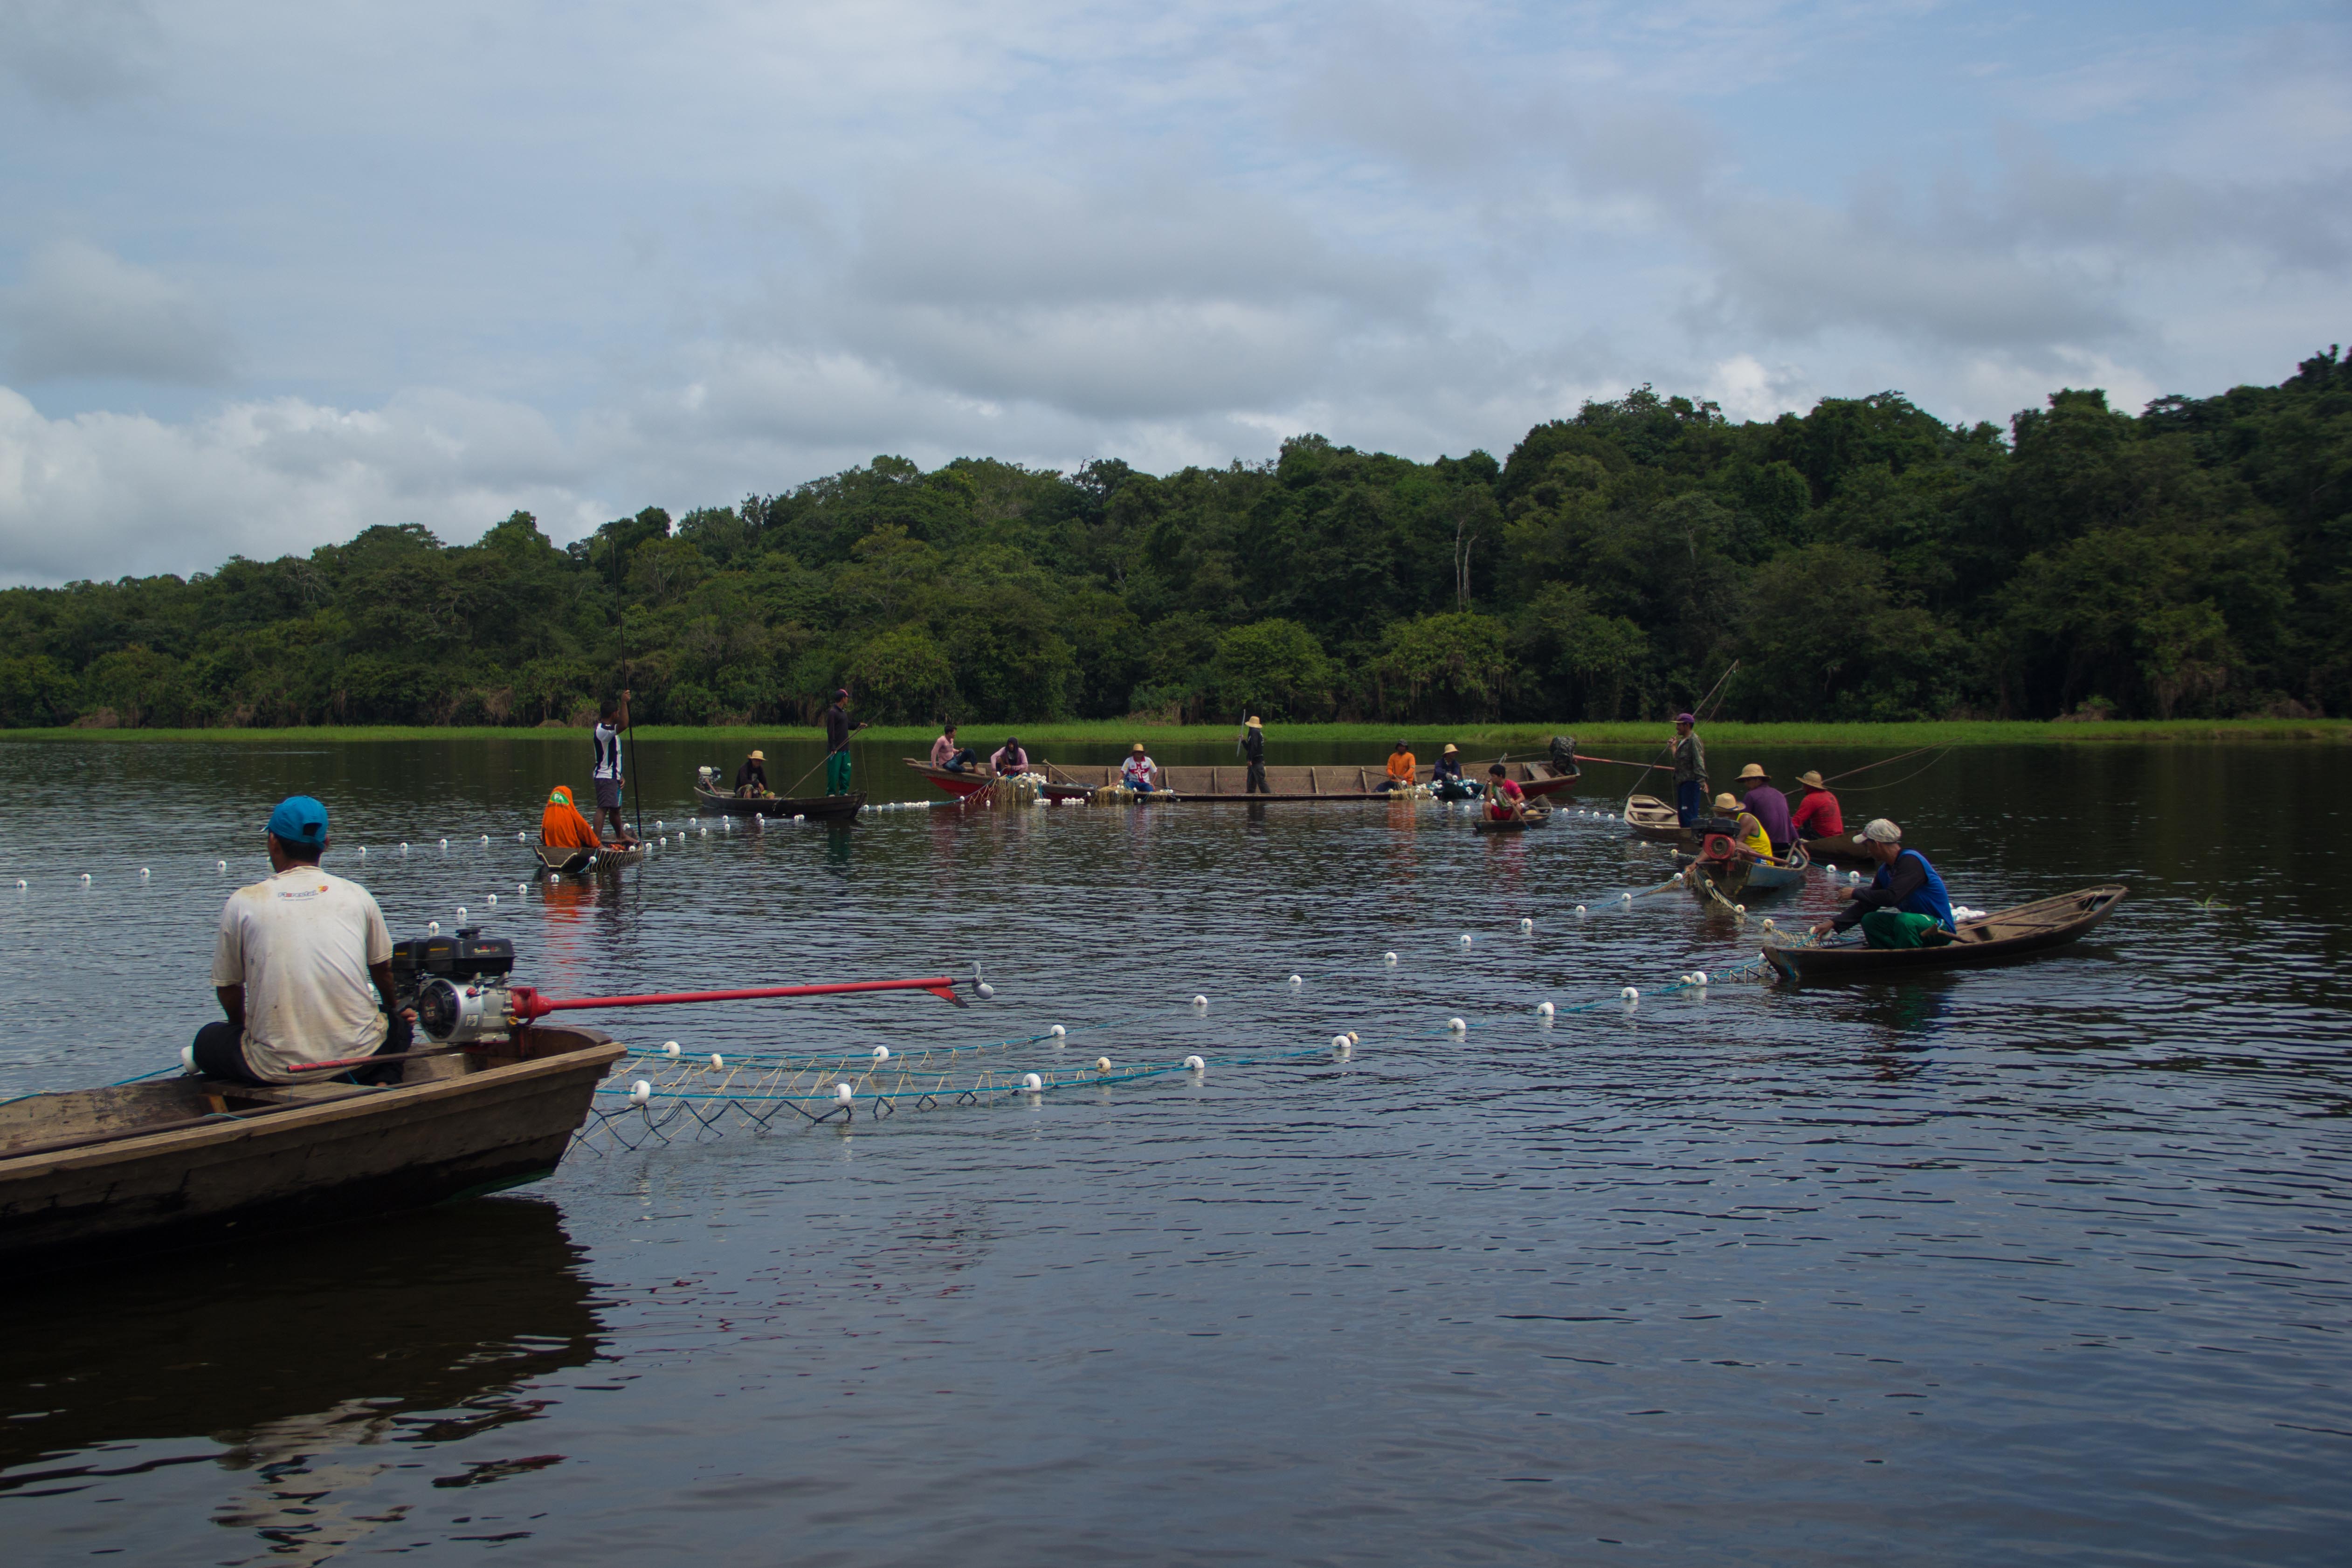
560,825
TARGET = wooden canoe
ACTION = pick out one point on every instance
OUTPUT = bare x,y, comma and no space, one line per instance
714,803
1222,785
972,782
1654,819
1512,824
1759,876
1838,849
581,862
2002,937
88,1174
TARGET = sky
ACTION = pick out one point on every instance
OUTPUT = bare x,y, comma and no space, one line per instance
270,274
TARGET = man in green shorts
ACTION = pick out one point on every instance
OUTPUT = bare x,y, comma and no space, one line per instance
1905,905
836,743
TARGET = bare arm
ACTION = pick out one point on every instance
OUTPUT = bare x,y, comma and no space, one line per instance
232,1001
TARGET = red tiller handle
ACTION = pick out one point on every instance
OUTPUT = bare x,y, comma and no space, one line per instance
530,1004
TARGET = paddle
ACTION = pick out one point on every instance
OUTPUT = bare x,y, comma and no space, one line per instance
821,762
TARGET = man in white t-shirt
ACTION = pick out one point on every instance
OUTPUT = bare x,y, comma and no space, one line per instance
301,963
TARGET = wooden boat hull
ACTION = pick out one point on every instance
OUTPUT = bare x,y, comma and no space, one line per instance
1225,784
816,808
963,785
456,1125
1838,849
1761,877
1512,825
2004,936
1647,816
584,862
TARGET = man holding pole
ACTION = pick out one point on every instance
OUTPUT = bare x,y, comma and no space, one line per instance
611,717
1690,769
1253,750
836,743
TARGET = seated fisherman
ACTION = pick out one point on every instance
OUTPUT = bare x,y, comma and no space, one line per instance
560,825
1139,773
1008,758
1445,778
1740,826
1505,799
1769,806
947,755
752,778
302,967
1905,905
1817,814
1403,770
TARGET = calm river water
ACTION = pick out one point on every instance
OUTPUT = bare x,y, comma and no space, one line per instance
2050,1263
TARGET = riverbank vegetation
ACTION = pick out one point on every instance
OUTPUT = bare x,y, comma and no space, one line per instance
1863,562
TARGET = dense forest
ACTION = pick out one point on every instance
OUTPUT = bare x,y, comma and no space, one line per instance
1862,562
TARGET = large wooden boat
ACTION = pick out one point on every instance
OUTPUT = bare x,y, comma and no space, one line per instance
571,862
1221,784
87,1174
816,808
2002,937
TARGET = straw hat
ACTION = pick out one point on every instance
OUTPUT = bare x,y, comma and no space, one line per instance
1753,771
1728,804
1880,831
1253,722
758,756
1812,779
1139,748
1451,747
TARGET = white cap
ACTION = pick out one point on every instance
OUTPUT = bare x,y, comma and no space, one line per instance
1881,831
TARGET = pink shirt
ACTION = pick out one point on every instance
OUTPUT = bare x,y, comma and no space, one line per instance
942,750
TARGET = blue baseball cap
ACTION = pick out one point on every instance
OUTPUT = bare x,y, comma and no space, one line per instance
300,819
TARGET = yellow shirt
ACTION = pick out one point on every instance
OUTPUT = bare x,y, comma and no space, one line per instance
1749,834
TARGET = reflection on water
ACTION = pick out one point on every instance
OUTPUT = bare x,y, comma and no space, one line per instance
302,1373
2041,1262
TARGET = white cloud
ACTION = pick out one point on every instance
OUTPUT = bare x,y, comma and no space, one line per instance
81,312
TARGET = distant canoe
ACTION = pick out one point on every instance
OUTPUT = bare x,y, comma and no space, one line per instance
1222,784
1742,878
91,1174
2002,937
972,781
1654,820
1512,824
567,862
712,803
1839,849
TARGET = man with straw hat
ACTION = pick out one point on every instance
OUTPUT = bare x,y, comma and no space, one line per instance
752,778
1139,773
1905,905
1254,748
1771,806
1817,814
1690,769
1445,780
1741,827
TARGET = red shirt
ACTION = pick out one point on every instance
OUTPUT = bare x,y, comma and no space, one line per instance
1503,800
1817,816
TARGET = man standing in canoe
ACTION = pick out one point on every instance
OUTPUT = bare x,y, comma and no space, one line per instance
836,743
611,717
1254,749
303,965
1905,905
1690,769
1769,805
1817,814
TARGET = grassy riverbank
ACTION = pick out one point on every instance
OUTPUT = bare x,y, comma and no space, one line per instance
1510,737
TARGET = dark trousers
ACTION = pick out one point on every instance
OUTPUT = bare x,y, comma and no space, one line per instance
1256,784
1690,801
220,1053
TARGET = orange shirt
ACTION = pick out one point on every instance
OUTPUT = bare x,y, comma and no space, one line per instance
1402,767
560,825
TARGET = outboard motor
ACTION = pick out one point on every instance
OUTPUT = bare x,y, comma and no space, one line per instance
456,984
1563,755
